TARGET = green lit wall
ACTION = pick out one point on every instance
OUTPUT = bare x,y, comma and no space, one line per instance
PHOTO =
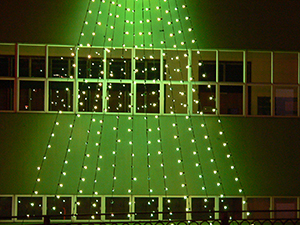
265,151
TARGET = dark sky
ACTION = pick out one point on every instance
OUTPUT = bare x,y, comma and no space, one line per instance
234,24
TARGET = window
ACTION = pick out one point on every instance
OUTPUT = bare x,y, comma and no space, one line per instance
285,207
88,205
118,64
259,100
119,97
260,67
147,98
228,205
7,66
90,68
117,208
90,97
286,68
175,99
204,99
60,206
231,66
30,208
204,62
60,96
31,66
147,65
258,204
286,103
61,67
31,96
231,100
176,65
202,208
6,207
146,208
6,94
172,205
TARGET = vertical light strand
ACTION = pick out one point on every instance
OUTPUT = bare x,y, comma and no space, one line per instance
65,161
48,146
84,23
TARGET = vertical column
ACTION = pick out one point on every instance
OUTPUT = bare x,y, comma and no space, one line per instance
245,88
217,84
133,85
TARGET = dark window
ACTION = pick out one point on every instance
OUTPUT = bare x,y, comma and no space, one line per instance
90,68
119,97
285,106
61,67
61,96
90,206
202,208
117,208
90,97
119,69
32,67
59,207
7,66
5,207
31,95
286,208
147,98
207,71
147,69
231,100
29,208
204,99
6,94
146,208
230,208
257,204
174,208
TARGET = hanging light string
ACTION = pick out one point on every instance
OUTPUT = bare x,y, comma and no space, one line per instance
65,161
222,132
84,22
48,146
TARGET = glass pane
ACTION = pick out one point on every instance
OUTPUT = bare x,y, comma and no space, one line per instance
90,97
118,64
7,60
286,68
30,208
5,207
258,204
6,94
117,208
90,63
31,95
259,100
231,100
147,65
59,207
204,99
7,66
176,65
201,208
146,208
61,96
89,205
32,61
230,67
147,98
204,65
172,205
228,206
260,67
285,204
119,97
175,99
61,62
286,101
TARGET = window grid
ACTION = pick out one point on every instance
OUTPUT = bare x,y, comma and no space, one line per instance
189,82
73,200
